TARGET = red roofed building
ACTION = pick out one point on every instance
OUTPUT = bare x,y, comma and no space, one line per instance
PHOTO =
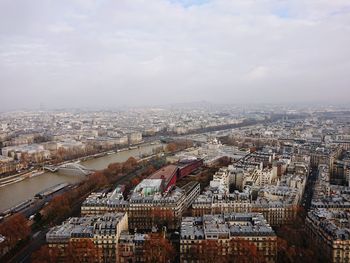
171,173
168,174
187,166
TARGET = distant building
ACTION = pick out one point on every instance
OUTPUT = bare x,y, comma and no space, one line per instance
277,203
32,153
135,137
8,165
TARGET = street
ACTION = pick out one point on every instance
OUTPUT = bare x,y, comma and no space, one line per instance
307,197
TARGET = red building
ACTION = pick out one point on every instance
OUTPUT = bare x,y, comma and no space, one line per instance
171,173
187,166
168,174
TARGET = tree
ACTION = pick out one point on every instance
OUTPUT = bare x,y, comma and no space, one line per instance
162,217
45,255
81,250
129,164
244,251
148,171
135,181
288,254
98,179
158,249
25,158
61,152
37,217
210,252
14,229
293,245
171,147
223,161
115,168
58,208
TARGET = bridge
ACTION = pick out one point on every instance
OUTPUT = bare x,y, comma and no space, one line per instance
70,169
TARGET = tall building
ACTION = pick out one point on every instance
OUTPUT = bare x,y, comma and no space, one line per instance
226,236
148,206
131,247
101,231
329,234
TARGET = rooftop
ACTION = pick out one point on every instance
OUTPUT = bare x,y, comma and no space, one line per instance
225,226
85,227
165,173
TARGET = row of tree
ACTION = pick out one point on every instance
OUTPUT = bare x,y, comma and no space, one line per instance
292,242
156,249
61,206
178,145
247,142
236,250
14,229
80,250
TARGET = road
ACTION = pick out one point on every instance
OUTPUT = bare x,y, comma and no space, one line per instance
309,189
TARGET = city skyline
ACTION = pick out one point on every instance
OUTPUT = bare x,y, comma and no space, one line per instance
175,131
104,54
201,183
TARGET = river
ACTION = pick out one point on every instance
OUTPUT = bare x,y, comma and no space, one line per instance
13,194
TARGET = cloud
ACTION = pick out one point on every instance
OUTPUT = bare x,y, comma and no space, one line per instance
60,28
258,72
106,53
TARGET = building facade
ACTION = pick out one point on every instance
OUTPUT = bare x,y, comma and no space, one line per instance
102,232
220,237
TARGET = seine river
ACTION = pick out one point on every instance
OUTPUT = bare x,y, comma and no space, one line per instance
13,194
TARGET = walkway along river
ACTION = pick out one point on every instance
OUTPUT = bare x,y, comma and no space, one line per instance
12,194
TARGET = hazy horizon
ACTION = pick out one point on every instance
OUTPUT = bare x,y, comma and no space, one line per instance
107,54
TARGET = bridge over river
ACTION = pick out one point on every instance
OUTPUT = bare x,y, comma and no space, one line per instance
70,169
13,194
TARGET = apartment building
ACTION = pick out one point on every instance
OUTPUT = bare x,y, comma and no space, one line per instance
103,231
329,234
131,247
148,206
227,235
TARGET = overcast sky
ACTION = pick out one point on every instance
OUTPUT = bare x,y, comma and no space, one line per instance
95,53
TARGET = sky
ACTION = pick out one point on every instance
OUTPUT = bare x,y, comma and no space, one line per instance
116,53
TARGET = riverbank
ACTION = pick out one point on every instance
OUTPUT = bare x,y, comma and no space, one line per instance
16,192
19,177
16,178
109,152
